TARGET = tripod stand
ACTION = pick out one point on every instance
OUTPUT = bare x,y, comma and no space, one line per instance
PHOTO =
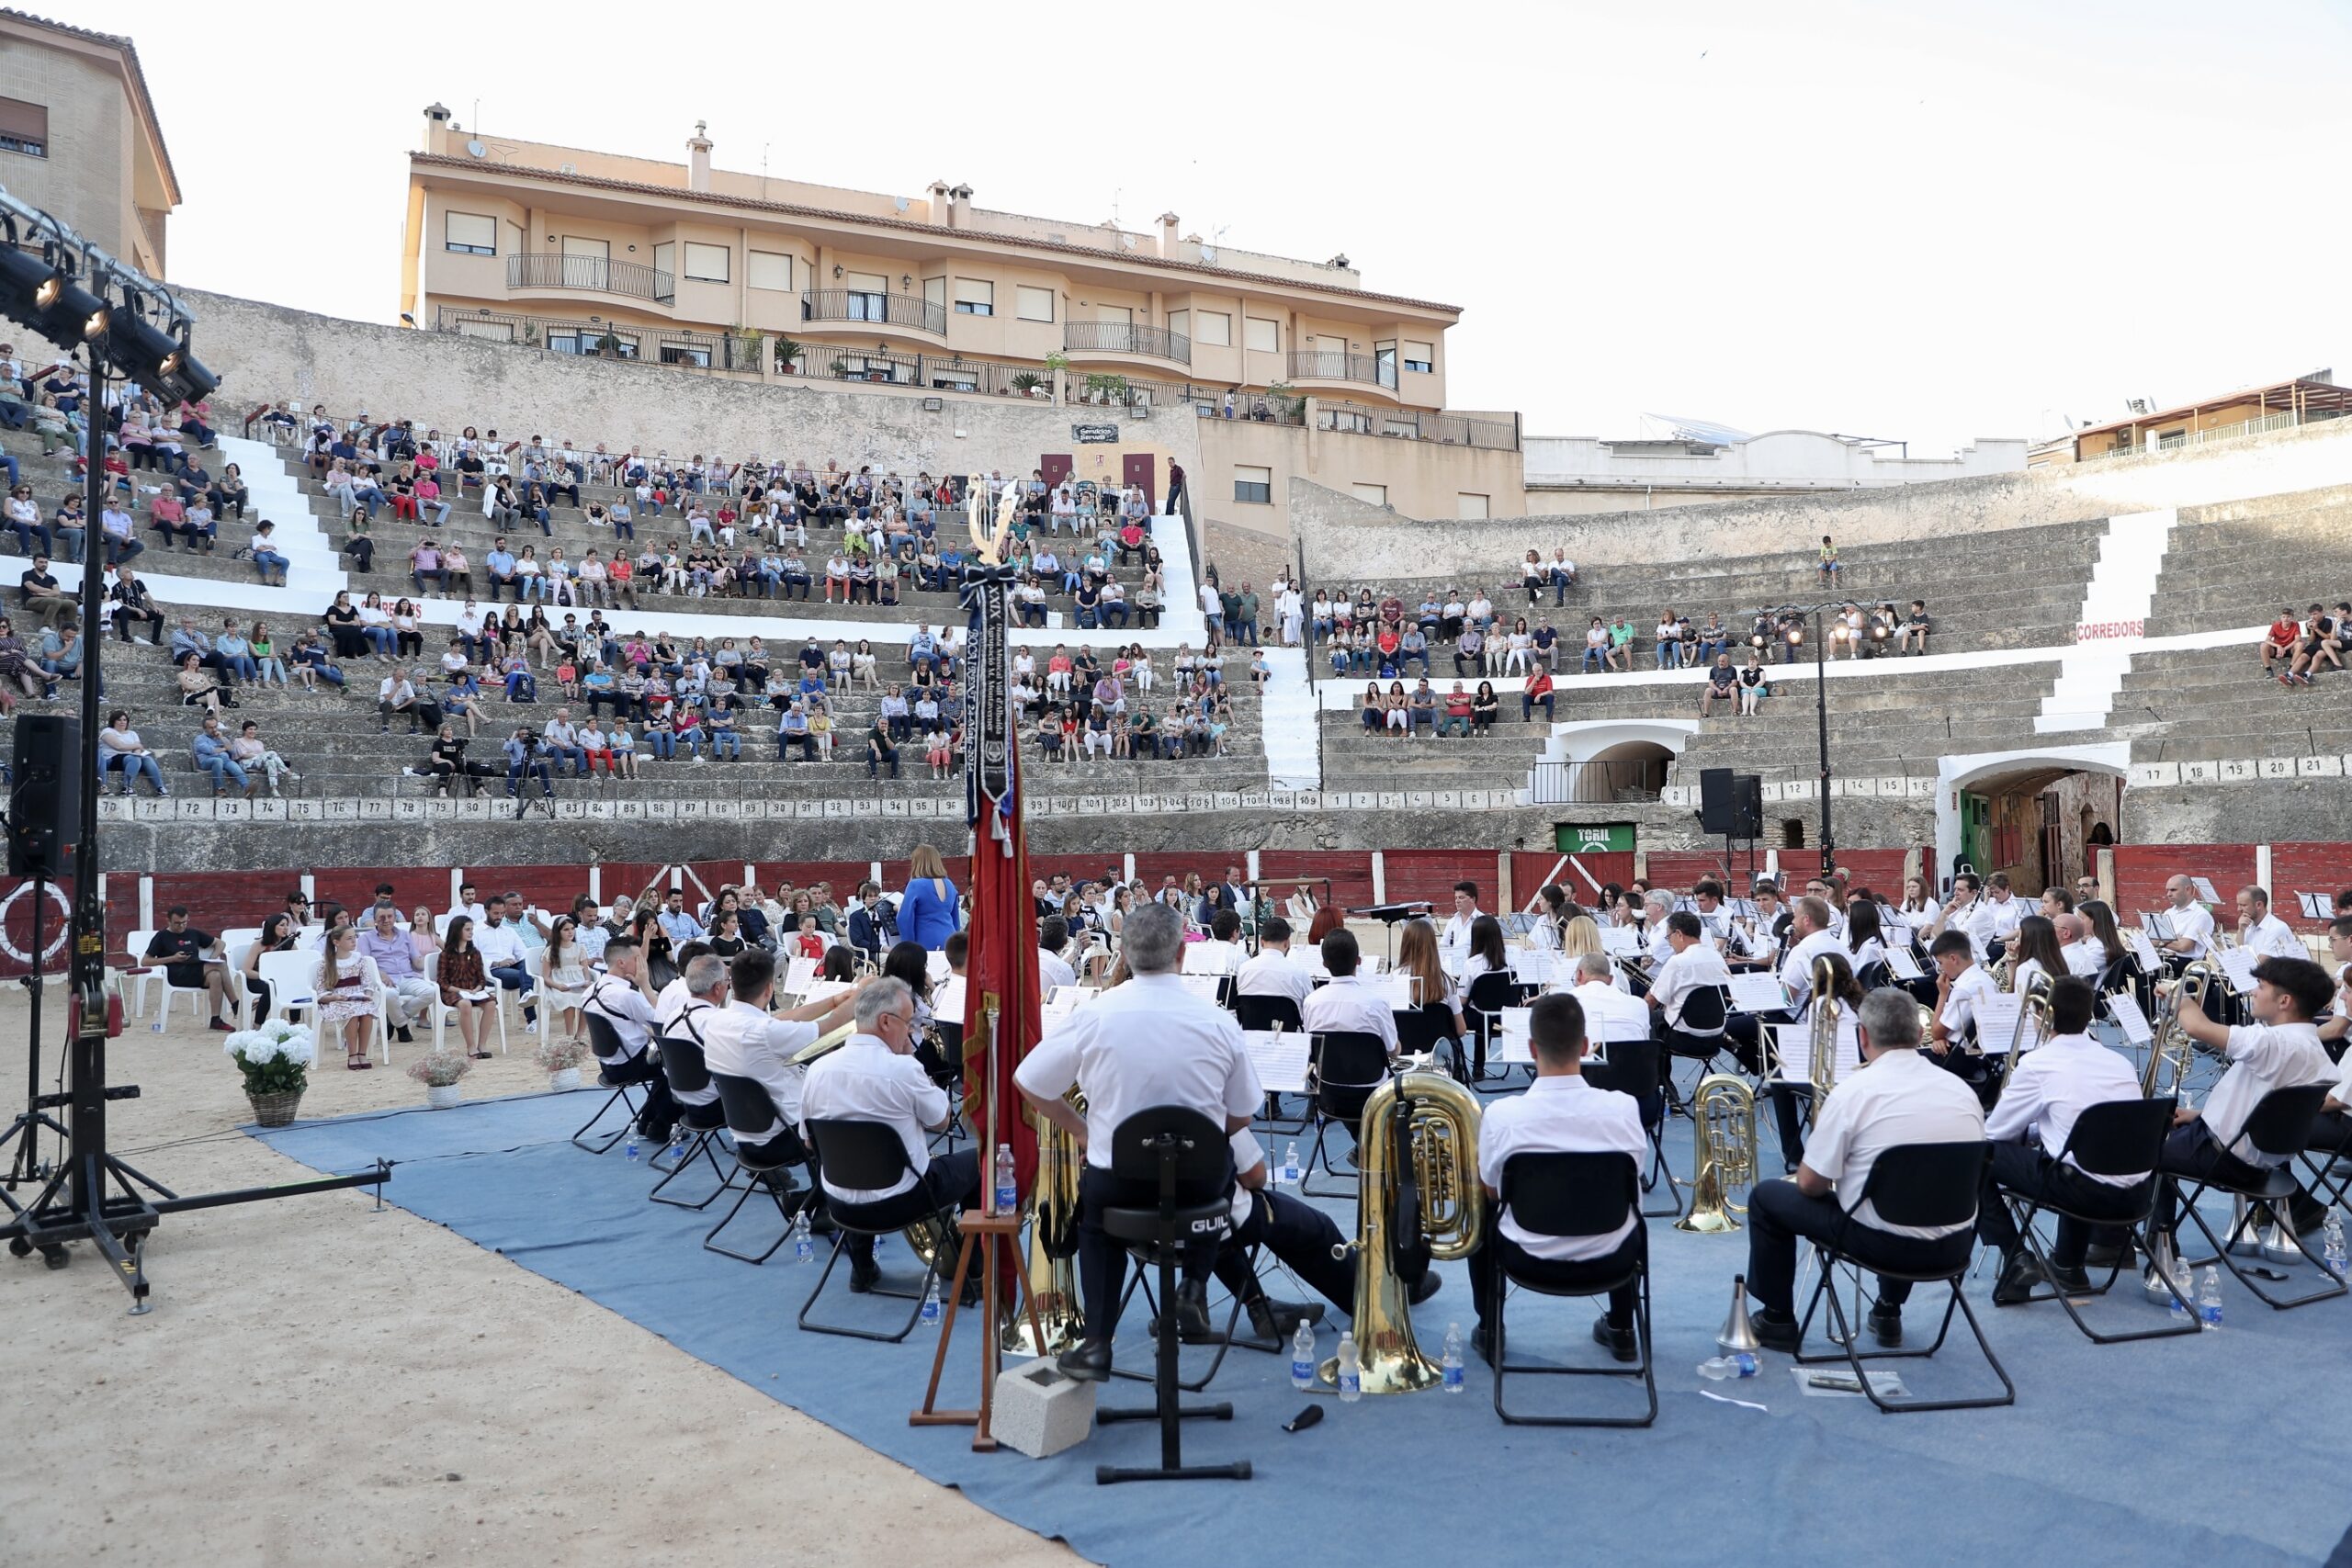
25,1165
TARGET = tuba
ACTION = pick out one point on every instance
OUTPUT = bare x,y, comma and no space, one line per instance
2173,1045
1723,1120
1826,1012
2033,1024
1417,1200
1048,1260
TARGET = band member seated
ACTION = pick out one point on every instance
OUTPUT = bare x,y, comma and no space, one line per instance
743,1039
2052,1086
1968,914
2279,1050
1693,962
1271,973
874,1077
2262,933
1811,933
1960,988
1789,1098
617,996
1345,1006
1147,1043
2192,922
1560,1113
1898,1098
1302,1236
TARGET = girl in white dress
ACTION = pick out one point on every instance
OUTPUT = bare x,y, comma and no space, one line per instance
564,984
347,986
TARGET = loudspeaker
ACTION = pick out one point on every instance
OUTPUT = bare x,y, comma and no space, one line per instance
1714,801
1747,806
46,814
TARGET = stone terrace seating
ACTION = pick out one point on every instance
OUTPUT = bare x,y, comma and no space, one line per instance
2209,704
2236,565
2018,588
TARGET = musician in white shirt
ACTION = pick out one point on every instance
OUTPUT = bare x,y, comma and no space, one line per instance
2003,907
1196,1059
617,997
1897,1097
1969,914
1302,1237
2262,933
1222,954
1694,964
2191,922
2051,1087
1456,932
1812,933
1960,988
2083,954
1609,1013
1274,972
1656,905
1560,1113
1345,1006
1053,935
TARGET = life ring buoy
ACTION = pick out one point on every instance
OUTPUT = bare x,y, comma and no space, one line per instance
64,923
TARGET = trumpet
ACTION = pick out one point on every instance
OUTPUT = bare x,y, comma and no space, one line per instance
1723,1120
2034,1010
2173,1045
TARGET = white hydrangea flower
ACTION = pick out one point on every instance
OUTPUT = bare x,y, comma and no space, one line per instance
298,1049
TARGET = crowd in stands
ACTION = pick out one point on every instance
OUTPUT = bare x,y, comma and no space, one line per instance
2297,648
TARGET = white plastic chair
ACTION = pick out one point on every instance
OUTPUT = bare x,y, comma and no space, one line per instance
443,1012
293,979
135,947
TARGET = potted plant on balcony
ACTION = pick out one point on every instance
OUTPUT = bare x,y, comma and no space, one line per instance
531,335
609,346
748,341
1026,382
787,356
1293,404
840,369
276,1060
439,1071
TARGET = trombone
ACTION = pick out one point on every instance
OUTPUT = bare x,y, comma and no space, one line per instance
2173,1046
2033,1010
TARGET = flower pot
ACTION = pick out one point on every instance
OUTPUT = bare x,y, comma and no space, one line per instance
275,1109
569,1078
441,1096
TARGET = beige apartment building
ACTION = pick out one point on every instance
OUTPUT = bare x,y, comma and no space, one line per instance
1294,368
79,138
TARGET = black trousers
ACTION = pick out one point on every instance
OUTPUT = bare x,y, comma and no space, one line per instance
2025,1169
1103,1259
2190,1150
952,1181
1301,1235
1778,1215
660,1110
1498,1252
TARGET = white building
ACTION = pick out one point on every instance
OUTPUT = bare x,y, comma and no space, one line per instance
1696,462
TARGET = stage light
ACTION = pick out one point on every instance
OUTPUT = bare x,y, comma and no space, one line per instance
1796,636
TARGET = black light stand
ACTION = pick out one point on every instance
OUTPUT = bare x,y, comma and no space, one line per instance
26,1165
1821,697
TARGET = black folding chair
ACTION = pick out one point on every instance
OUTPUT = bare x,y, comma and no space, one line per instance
1490,996
2328,1155
1632,1067
2118,1137
947,1072
1348,1067
682,1063
1420,1030
1187,1158
1266,1013
751,1117
868,1155
1700,1036
605,1041
1573,1195
1914,1184
2280,1127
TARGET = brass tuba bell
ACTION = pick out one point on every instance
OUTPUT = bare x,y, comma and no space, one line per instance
1722,1123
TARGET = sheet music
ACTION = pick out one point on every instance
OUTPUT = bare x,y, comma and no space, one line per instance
1280,1056
1903,964
2238,964
1202,958
947,1000
1620,941
1396,990
2206,892
1792,1043
1997,1023
798,975
1202,985
1531,966
2124,1008
2144,951
824,991
1758,993
1512,1045
2317,906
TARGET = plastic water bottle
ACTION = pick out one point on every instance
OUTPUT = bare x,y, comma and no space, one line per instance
1348,1375
1451,1363
677,1146
931,1303
2184,1294
629,1148
1008,1186
2209,1298
1290,1164
2333,1253
804,1250
1716,1369
1302,1359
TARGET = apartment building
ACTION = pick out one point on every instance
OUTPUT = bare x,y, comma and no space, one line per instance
79,138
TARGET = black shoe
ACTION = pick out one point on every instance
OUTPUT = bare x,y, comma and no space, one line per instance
406,1038
1886,1324
1427,1287
654,1133
2020,1274
863,1275
1482,1340
2307,1215
1619,1342
1279,1320
1191,1313
2074,1281
2116,1256
1086,1362
1777,1330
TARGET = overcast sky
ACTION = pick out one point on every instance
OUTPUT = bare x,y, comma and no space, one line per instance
1931,223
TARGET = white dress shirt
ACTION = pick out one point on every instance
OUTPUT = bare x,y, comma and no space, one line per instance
500,944
2272,938
1052,971
2193,925
742,1041
1194,1059
1974,921
2084,958
2262,1057
2004,914
1345,1007
2053,1086
1899,1098
625,1008
867,1081
1796,969
1974,985
1273,974
1610,1014
1560,1114
1456,931
691,1027
1683,972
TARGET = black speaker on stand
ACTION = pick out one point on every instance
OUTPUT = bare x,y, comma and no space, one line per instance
45,813
1715,801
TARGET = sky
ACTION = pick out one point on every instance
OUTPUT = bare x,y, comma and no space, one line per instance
1892,219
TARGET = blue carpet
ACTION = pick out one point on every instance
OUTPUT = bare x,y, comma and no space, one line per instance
2195,1451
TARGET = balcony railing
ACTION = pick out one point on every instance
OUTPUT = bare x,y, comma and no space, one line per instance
1125,337
1318,365
908,310
633,278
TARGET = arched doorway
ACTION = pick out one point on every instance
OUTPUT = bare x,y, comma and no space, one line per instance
2033,815
1630,770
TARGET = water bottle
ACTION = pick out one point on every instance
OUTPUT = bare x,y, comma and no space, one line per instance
1290,1163
1302,1359
677,1147
931,1301
2209,1298
629,1148
2184,1294
1451,1363
1007,1189
1717,1367
1348,1374
804,1249
2333,1253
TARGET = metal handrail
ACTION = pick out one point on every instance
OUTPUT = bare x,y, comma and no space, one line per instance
1126,337
1321,364
602,273
911,311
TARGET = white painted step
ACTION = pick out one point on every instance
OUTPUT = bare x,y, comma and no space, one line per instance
1293,752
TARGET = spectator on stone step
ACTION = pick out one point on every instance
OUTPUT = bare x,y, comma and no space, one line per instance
39,591
456,571
210,752
1752,682
248,751
234,652
1537,689
1723,686
117,529
312,664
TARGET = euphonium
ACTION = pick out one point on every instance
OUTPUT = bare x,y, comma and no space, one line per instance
1049,1258
2001,971
1826,1012
1416,1155
2173,1043
1723,1120
2034,1010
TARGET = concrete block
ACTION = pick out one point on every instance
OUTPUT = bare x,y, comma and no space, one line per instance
1039,1412
2238,770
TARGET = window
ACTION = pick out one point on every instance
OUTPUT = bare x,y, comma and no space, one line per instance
685,354
1420,357
770,269
1217,329
707,263
934,292
1469,506
975,297
598,250
1181,323
24,128
1261,335
470,235
1255,486
666,257
1033,304
1384,358
1375,495
608,345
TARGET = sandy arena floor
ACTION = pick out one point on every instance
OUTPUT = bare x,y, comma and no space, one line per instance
321,1384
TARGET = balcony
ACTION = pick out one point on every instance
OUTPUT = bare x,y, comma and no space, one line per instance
597,273
904,313
1350,369
1090,339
